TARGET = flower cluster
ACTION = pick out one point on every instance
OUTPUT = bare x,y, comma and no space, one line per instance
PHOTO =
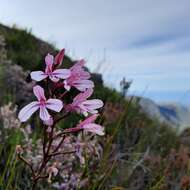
53,107
8,120
76,77
71,177
8,116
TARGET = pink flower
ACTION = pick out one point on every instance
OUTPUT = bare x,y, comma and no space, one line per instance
19,149
48,122
88,125
42,104
54,74
78,78
80,103
52,171
59,58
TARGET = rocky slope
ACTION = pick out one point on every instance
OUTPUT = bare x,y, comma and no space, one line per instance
174,114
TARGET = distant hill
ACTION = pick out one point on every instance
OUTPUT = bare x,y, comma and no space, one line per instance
173,114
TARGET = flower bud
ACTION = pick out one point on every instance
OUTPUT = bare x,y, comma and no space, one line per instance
19,149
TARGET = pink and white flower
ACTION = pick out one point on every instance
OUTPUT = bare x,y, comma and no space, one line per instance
88,125
54,74
78,78
48,122
42,104
80,103
52,171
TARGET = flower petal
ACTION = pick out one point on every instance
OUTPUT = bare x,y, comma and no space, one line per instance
73,129
39,92
54,104
44,115
84,75
88,120
54,171
61,73
49,63
59,57
48,122
83,96
82,85
78,65
27,111
38,75
49,59
93,104
66,85
94,128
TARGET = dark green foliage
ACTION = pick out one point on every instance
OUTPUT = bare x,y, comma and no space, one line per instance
25,49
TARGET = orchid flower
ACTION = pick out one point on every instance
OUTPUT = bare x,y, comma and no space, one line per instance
78,78
54,74
80,103
88,125
42,104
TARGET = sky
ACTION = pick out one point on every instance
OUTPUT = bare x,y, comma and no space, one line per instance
146,41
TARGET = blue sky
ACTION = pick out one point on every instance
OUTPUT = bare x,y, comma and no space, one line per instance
147,41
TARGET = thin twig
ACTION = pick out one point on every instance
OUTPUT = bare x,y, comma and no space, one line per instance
62,95
27,163
44,141
66,152
67,132
41,177
59,145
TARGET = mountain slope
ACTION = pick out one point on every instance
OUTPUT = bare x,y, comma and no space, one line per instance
173,114
25,49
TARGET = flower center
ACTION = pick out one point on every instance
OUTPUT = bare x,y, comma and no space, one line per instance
42,102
